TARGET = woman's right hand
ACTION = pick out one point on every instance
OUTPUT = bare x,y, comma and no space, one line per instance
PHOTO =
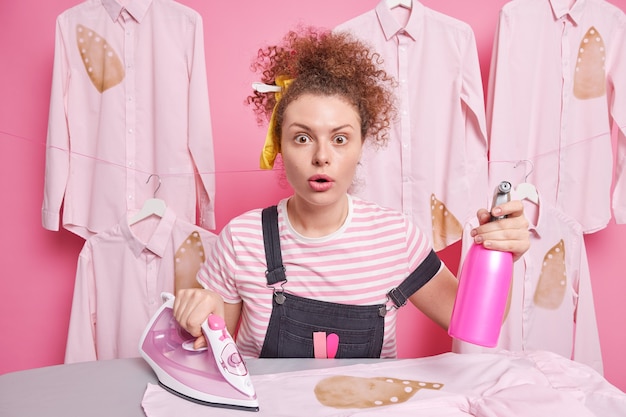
192,306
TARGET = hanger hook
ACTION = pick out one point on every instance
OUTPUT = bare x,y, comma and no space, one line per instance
158,186
532,168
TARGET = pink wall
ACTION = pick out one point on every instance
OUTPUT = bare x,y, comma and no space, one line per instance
37,267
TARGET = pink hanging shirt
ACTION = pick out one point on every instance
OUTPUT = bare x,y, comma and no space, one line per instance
129,99
557,82
434,167
121,274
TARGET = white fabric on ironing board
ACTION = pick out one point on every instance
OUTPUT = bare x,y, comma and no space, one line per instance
531,384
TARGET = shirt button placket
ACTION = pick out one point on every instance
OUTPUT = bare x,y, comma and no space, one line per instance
566,88
130,111
405,121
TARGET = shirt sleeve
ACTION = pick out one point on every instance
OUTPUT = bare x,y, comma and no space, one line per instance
499,94
617,102
81,338
472,92
494,76
58,140
587,339
473,98
500,97
419,249
200,135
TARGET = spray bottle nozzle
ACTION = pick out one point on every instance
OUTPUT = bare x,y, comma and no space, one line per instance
501,195
504,187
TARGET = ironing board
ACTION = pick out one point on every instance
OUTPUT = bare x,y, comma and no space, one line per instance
117,387
108,388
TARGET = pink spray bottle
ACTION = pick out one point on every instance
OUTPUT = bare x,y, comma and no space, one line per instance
483,288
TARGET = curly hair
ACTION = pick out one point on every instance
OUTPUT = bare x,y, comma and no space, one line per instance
326,63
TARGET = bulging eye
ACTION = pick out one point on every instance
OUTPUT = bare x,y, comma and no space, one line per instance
302,138
340,140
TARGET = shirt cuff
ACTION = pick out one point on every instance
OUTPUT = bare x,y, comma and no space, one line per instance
50,220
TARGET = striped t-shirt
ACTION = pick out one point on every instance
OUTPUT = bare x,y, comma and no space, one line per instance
373,252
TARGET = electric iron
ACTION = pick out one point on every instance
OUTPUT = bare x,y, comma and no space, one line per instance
215,376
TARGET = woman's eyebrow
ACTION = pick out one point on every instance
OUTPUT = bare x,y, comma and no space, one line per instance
343,127
336,129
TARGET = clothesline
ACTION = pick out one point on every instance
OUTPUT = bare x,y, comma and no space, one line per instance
569,145
529,159
121,165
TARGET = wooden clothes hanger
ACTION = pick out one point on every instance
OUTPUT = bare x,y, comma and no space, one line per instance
403,3
151,207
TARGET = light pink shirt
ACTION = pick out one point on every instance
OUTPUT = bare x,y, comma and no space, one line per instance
552,306
438,145
373,252
557,81
129,99
528,384
120,276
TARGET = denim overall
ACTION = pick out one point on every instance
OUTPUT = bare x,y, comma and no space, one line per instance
294,319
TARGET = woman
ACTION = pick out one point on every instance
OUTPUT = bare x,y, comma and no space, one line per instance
348,264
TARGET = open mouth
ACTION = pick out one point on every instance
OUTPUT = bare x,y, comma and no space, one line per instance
320,182
320,179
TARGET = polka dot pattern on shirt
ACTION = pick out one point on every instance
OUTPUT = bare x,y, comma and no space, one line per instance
343,391
552,282
446,227
187,261
589,74
103,66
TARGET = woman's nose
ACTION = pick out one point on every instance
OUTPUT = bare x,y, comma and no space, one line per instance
321,155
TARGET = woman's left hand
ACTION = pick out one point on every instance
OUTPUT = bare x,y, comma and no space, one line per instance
509,234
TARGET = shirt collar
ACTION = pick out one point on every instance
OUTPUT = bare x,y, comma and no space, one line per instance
136,8
390,25
560,9
158,241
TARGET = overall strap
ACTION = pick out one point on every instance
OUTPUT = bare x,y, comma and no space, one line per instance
416,280
271,240
276,271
